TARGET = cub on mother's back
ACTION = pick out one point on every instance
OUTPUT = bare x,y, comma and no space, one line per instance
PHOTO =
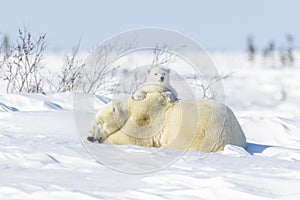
158,81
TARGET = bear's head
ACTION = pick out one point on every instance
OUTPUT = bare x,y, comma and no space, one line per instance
158,75
109,120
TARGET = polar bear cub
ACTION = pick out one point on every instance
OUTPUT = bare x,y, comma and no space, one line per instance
158,81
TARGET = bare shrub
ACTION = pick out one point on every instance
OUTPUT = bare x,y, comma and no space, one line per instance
22,63
97,80
5,48
204,85
70,74
162,55
251,50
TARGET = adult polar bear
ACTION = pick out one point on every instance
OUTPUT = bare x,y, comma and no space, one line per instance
158,121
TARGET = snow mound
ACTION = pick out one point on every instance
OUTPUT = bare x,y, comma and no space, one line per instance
40,102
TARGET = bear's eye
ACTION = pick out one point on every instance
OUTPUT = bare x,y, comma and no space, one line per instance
163,74
155,74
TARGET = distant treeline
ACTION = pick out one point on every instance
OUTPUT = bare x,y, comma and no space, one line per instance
271,51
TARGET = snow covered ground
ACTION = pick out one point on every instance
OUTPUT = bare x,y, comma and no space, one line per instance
42,157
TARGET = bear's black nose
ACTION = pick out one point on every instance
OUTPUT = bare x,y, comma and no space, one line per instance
162,78
92,139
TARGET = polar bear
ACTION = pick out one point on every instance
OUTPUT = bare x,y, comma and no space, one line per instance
157,81
117,111
157,121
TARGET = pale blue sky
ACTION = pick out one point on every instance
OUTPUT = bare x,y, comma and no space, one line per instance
217,25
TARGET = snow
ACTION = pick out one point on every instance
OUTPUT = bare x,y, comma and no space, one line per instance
42,156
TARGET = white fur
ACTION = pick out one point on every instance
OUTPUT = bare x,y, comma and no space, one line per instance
156,121
158,81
